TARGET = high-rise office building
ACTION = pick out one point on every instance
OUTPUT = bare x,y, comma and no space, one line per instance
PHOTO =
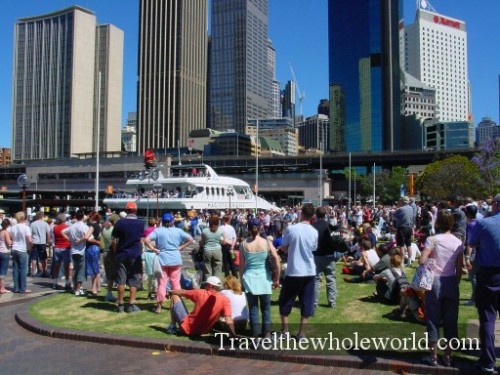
240,76
57,60
109,62
288,101
364,67
171,98
275,85
436,54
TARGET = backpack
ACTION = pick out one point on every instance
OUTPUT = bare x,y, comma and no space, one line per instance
399,283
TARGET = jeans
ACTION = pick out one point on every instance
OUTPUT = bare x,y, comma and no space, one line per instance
19,270
253,309
488,306
441,306
326,265
4,264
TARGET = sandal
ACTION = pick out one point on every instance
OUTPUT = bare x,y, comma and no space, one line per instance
430,361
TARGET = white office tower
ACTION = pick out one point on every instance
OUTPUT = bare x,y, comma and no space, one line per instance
57,60
436,54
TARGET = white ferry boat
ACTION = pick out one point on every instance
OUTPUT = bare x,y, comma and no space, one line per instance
185,187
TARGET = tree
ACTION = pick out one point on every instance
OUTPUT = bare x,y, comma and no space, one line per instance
387,184
488,161
455,175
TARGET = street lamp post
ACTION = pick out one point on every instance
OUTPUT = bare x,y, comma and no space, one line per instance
24,181
157,189
230,193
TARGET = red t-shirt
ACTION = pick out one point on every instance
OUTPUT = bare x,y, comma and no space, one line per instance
59,241
209,306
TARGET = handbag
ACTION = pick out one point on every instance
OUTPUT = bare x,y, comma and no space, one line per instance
424,276
157,271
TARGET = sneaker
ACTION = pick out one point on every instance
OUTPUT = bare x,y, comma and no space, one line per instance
299,337
172,329
430,361
133,308
120,309
82,292
446,361
110,298
486,370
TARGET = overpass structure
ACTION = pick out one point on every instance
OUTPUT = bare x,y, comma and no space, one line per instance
289,178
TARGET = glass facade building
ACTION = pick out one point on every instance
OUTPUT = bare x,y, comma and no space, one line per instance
241,78
364,66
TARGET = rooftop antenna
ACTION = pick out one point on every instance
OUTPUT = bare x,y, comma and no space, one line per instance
425,5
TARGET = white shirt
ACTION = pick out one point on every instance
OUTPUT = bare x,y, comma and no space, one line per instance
20,234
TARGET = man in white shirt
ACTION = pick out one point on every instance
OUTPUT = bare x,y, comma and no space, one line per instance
299,241
228,243
40,232
75,233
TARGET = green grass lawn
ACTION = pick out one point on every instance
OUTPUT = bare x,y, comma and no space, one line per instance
355,312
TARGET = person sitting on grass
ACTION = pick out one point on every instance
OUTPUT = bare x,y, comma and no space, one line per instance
392,281
209,306
365,266
233,291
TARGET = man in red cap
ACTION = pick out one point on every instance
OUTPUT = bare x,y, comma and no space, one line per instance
127,237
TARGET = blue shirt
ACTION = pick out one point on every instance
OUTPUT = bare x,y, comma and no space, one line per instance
302,240
168,241
486,236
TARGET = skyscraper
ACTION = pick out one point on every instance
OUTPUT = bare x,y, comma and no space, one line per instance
171,98
57,57
364,67
436,54
240,77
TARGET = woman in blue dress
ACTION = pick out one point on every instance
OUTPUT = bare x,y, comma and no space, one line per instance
256,276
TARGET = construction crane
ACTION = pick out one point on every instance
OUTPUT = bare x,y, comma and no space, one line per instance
302,94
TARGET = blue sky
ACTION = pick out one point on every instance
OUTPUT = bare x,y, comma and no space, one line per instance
298,29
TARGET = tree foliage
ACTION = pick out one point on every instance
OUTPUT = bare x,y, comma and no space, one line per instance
488,161
387,184
455,175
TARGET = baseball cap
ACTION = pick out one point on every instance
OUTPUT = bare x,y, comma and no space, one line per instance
131,206
2,211
471,210
167,217
214,281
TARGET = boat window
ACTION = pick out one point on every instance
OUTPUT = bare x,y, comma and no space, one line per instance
213,190
207,190
218,191
222,191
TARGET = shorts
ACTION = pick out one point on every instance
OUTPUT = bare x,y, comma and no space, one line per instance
62,256
301,286
129,271
38,252
92,256
179,312
110,265
403,236
78,261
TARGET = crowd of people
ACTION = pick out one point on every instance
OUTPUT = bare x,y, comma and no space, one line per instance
242,256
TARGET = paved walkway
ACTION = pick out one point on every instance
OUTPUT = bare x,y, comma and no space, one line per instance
206,359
